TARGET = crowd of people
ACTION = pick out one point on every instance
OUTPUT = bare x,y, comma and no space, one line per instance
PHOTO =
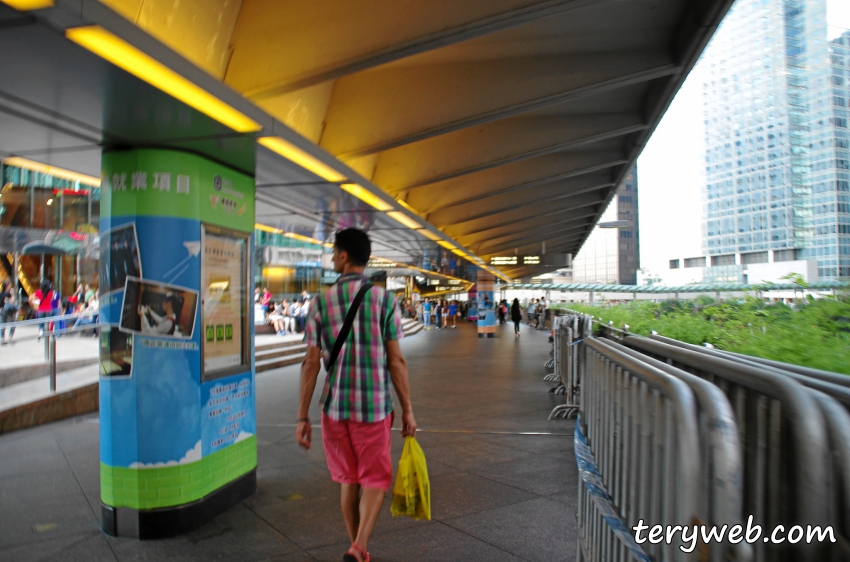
44,303
441,312
285,316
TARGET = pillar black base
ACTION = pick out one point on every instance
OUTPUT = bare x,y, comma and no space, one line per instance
491,335
172,521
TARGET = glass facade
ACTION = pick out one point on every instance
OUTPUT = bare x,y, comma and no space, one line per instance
773,135
612,255
287,274
34,203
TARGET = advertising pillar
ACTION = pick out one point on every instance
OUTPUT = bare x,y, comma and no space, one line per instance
486,304
177,409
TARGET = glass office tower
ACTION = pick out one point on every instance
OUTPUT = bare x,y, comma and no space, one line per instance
612,255
772,172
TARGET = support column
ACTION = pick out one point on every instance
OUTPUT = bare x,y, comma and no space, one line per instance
486,304
177,409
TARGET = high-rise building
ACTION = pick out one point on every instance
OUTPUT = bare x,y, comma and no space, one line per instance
612,255
837,202
772,136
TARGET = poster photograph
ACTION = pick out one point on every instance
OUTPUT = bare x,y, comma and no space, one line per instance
116,352
223,286
158,309
119,258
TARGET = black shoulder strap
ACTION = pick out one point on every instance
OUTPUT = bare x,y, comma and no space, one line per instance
346,326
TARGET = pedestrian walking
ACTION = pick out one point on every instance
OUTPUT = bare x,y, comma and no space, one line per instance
42,302
8,311
426,313
516,316
453,313
357,407
438,314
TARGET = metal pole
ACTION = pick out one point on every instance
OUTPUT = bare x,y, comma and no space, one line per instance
51,362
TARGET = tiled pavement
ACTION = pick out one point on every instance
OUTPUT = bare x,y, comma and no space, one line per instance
497,494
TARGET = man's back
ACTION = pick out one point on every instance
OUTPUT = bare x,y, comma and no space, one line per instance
358,387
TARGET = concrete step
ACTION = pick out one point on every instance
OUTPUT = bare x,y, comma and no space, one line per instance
275,342
282,350
413,328
277,362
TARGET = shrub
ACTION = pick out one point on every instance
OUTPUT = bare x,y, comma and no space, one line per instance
813,333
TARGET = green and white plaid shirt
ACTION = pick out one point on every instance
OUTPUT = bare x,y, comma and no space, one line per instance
358,389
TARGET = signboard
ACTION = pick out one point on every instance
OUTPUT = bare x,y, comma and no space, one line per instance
486,305
549,260
292,257
224,298
379,263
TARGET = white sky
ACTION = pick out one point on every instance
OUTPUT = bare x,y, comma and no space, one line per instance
670,169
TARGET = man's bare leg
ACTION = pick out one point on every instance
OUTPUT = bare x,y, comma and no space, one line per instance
370,507
350,502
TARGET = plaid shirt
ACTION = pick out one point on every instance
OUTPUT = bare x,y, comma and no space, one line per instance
358,389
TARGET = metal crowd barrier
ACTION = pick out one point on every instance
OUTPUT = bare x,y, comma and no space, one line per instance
831,394
766,440
569,333
793,473
642,436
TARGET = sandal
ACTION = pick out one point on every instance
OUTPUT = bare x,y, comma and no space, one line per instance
356,551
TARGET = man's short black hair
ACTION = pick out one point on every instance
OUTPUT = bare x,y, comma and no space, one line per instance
355,243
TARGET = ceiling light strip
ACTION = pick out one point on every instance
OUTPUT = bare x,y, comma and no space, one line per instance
299,156
132,60
27,5
366,196
60,173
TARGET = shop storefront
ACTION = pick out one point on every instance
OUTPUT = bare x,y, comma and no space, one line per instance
287,266
36,205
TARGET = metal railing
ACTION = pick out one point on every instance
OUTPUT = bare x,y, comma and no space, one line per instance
772,441
569,333
720,492
50,336
642,429
810,426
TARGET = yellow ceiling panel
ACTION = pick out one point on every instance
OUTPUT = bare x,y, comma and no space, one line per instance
200,30
304,110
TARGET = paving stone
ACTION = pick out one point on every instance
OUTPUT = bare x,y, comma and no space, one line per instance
423,544
487,486
238,534
539,529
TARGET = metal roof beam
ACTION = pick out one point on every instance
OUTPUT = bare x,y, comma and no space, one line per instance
386,108
497,144
550,193
509,217
376,32
511,241
513,178
549,237
524,225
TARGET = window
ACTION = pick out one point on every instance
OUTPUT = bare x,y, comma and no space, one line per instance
674,264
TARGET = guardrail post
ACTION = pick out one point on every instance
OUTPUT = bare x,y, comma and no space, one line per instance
51,361
46,346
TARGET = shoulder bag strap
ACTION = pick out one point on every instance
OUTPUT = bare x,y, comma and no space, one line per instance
346,326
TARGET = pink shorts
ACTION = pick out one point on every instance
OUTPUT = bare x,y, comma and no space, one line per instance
359,452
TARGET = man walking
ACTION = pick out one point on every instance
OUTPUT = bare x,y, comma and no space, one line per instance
356,402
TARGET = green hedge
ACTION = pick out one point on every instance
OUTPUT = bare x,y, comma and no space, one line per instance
814,333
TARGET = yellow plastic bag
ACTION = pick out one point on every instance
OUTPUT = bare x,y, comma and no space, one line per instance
412,489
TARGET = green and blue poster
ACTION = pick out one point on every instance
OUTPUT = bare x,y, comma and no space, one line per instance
172,431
